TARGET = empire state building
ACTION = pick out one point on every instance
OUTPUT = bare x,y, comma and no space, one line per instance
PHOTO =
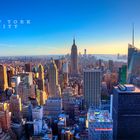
74,59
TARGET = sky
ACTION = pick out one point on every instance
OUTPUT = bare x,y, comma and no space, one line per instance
100,26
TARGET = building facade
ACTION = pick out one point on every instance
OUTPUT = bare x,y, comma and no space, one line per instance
92,87
100,125
53,79
126,112
3,78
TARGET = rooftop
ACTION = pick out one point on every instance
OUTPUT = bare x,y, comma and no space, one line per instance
99,116
127,88
92,70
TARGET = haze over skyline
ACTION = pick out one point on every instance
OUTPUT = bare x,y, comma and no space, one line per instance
100,26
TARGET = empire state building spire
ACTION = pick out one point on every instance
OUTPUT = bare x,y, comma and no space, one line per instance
73,41
74,59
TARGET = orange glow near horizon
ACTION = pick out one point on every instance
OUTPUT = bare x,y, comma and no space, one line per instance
45,49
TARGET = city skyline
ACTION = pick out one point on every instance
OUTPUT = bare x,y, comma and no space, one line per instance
102,27
69,69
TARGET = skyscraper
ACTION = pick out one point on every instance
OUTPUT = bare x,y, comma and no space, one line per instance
123,74
92,87
131,51
53,79
110,65
85,52
65,73
3,78
15,108
134,67
5,116
40,72
41,77
59,63
40,92
10,73
74,59
28,67
132,62
126,112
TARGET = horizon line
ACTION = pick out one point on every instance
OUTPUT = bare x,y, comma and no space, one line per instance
60,54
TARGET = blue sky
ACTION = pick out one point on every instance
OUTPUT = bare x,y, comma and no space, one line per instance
100,26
